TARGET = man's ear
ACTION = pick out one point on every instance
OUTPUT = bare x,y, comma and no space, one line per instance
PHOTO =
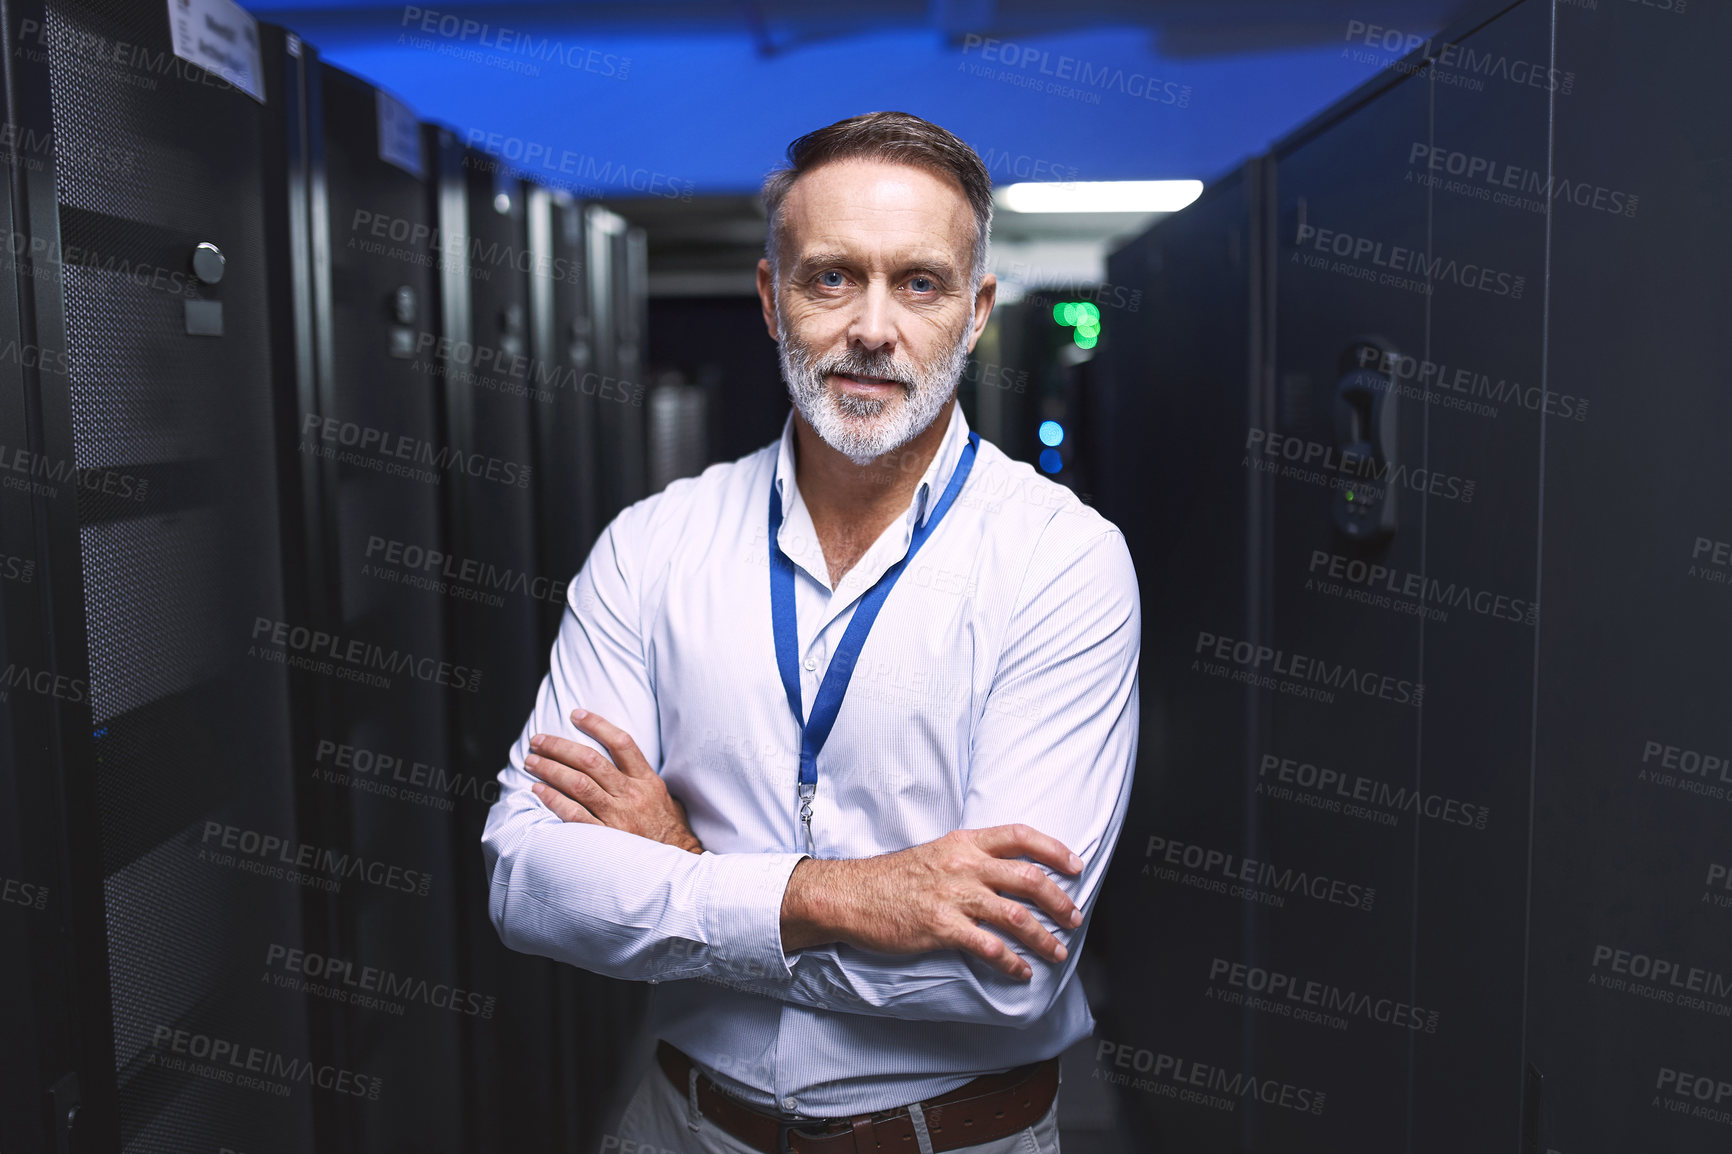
983,302
767,297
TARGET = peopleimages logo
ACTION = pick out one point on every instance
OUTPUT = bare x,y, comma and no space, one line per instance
22,893
297,861
462,31
1070,76
1376,579
368,987
1167,1074
1457,64
1320,463
1312,670
1287,778
561,166
1663,980
1232,868
44,682
1307,1000
238,1064
1701,1096
352,658
439,572
1686,770
373,447
1409,268
1511,185
1454,387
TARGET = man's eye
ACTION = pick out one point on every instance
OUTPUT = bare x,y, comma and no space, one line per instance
831,278
922,284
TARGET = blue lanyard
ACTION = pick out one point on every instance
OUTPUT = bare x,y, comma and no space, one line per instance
816,731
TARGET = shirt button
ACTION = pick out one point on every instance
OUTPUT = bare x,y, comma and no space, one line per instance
811,667
788,1103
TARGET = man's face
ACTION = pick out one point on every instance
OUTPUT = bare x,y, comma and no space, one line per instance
873,310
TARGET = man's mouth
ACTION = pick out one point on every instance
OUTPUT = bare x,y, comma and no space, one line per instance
865,383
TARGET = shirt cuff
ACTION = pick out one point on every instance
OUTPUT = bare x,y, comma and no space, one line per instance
743,918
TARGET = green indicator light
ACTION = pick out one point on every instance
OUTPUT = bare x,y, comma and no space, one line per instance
1090,311
1350,494
1084,341
1059,314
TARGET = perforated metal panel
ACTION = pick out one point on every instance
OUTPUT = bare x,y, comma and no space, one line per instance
180,563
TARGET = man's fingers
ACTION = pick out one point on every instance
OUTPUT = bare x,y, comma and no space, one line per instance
618,742
574,784
1026,880
989,946
1018,920
1019,840
577,756
563,807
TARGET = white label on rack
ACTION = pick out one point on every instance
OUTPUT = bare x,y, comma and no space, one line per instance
221,37
399,134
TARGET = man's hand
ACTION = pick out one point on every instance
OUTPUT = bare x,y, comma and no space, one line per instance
624,794
937,896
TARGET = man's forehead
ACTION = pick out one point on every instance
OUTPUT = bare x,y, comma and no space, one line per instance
881,209
825,248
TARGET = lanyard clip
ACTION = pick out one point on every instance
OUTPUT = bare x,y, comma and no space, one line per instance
808,789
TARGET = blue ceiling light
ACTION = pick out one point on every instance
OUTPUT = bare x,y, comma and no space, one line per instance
1051,434
682,100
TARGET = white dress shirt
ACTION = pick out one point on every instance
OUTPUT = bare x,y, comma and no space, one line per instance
998,685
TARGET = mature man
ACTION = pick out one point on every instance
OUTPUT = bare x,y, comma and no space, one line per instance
854,691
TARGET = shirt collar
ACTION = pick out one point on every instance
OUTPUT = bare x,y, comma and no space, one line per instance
937,474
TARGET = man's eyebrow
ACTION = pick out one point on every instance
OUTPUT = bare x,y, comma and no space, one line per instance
821,259
937,262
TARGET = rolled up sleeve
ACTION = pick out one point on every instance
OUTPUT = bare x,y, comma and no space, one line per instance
1054,748
600,898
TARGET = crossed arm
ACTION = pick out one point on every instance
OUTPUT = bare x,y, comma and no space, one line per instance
934,896
595,863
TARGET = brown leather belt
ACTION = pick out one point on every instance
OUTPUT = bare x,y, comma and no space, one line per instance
988,1108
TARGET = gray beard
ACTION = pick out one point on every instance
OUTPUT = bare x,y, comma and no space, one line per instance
860,429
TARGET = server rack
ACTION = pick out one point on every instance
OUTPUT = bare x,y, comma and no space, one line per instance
563,340
225,286
618,287
1475,343
147,214
542,1032
1629,995
1178,391
594,1019
378,777
57,1068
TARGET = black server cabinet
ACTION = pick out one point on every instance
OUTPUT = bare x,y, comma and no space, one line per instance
1406,312
1480,385
56,1066
569,393
1630,975
540,1035
158,538
1352,934
385,988
618,288
1178,392
1354,497
596,1018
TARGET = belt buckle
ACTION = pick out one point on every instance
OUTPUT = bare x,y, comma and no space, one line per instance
785,1127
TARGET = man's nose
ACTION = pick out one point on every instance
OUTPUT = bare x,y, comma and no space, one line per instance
874,323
